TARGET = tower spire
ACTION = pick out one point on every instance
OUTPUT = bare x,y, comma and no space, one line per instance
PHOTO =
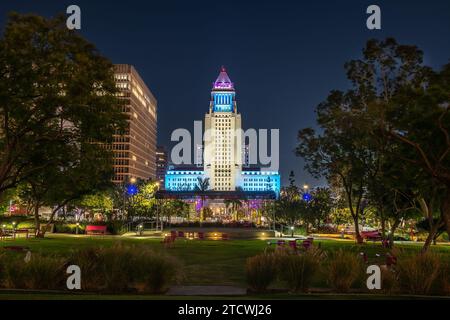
223,81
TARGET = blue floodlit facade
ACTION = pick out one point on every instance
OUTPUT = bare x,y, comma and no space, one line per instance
187,180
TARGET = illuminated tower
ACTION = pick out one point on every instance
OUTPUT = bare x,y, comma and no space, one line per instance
223,148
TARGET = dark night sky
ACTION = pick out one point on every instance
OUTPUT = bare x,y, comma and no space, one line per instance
284,56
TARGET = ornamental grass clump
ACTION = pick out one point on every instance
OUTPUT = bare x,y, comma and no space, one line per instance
344,270
261,271
125,268
157,271
39,273
420,274
90,261
299,269
117,267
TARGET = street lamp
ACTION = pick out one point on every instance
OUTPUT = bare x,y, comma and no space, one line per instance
157,184
77,226
292,231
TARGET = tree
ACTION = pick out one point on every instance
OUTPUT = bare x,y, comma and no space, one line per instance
143,203
419,121
235,205
57,95
397,110
289,207
202,187
339,152
58,109
100,201
318,208
408,106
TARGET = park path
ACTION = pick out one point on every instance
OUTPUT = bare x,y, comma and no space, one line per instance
206,291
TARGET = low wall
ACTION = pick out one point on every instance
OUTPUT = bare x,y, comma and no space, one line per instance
233,233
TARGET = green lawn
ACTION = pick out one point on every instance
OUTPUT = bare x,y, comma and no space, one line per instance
205,262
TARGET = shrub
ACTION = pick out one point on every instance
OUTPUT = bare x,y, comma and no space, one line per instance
344,269
3,265
40,272
261,271
444,280
70,228
418,274
115,227
156,271
90,261
117,267
122,268
389,283
298,270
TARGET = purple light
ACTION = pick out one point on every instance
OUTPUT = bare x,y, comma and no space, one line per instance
255,204
223,81
198,205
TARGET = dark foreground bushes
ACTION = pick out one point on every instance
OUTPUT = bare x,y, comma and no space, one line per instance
261,271
295,270
114,269
342,271
423,274
124,268
344,268
40,272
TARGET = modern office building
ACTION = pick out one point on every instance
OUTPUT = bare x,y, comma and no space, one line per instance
225,157
135,150
161,165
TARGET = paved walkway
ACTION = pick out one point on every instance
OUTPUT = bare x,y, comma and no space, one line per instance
206,291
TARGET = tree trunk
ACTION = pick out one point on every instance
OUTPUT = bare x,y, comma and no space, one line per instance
358,237
445,210
52,216
383,225
37,222
392,231
431,235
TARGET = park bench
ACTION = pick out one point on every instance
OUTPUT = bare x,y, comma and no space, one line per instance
371,236
27,232
6,234
96,230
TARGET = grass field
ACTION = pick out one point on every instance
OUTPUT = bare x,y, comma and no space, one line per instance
206,262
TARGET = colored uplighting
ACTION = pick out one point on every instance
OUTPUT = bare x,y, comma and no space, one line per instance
132,190
223,81
307,197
